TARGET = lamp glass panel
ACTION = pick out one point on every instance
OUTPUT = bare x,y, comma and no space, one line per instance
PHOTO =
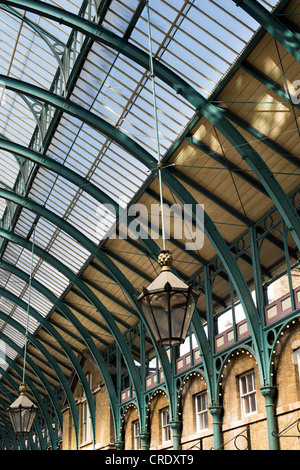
147,311
189,314
15,417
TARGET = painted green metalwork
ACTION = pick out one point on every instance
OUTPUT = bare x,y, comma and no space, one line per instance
283,152
80,328
226,164
247,153
209,111
89,294
273,25
55,366
8,427
38,372
219,244
258,75
111,267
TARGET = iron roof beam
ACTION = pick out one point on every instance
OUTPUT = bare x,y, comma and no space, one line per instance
270,84
36,394
226,164
98,33
273,25
39,373
145,158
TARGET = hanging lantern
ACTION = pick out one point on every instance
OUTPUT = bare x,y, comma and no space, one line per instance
168,305
22,412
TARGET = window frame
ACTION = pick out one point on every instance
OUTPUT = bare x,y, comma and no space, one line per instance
247,395
165,425
86,421
201,414
136,435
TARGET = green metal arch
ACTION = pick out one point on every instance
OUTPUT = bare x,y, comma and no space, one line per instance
45,383
54,366
273,25
36,395
64,345
76,179
89,294
85,335
99,33
229,263
11,397
8,427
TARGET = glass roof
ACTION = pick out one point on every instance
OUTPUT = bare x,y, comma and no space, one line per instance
199,40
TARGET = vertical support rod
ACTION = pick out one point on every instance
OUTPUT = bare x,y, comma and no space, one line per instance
209,312
159,165
28,306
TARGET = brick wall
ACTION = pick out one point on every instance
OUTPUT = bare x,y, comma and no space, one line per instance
286,375
281,285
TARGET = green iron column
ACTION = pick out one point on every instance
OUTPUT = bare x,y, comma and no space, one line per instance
269,392
272,24
217,412
175,421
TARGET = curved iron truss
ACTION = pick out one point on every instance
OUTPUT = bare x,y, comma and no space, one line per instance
76,137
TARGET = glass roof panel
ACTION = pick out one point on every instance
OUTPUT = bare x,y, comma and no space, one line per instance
199,40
